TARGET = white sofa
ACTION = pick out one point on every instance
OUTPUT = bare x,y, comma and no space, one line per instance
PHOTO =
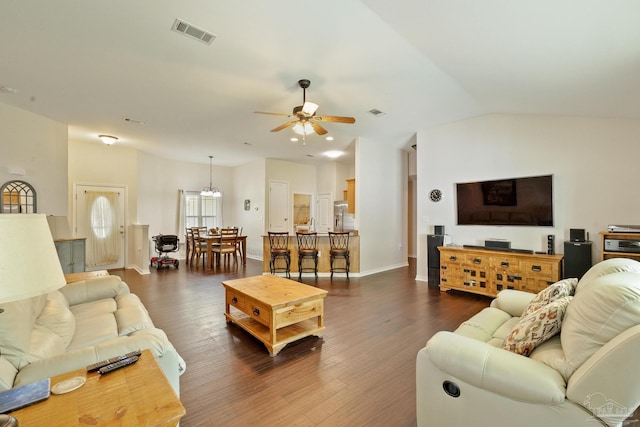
585,375
78,325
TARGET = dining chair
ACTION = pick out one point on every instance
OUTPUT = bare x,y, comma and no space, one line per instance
279,248
189,245
339,249
199,245
228,245
307,249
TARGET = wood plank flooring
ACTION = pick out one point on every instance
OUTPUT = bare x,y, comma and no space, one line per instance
361,373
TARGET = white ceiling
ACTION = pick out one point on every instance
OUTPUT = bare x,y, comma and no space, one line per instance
424,63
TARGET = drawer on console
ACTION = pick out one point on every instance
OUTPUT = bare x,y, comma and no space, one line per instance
236,300
505,263
539,269
477,260
258,311
451,257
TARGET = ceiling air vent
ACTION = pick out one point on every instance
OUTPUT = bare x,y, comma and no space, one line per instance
192,31
377,112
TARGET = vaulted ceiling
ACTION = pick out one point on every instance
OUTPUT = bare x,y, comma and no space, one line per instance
423,63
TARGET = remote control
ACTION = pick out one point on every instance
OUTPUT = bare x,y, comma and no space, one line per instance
119,364
98,365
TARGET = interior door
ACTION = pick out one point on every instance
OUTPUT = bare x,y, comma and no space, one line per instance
325,213
278,206
102,221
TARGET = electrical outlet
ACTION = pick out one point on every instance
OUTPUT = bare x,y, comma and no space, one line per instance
319,253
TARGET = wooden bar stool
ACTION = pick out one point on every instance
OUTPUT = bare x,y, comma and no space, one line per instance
339,248
279,246
307,249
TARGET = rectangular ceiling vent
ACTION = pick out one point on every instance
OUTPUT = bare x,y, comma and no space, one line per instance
192,31
377,112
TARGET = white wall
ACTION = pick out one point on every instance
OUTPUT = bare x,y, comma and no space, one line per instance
381,205
248,183
593,160
38,146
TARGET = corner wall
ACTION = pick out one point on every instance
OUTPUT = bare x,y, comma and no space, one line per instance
38,146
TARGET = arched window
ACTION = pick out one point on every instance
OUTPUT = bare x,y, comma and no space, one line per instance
18,197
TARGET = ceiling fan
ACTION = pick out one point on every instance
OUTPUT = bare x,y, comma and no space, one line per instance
305,119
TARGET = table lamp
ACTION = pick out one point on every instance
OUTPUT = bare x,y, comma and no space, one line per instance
29,263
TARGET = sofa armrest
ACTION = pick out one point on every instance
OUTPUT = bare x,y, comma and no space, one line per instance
512,301
94,289
494,369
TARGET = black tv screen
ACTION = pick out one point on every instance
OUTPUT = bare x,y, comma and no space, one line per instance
515,201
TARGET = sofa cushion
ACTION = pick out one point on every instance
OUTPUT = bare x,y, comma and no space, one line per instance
17,323
537,327
607,307
44,343
558,290
57,317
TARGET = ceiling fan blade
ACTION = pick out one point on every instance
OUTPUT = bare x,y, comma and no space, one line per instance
309,108
283,126
273,114
336,119
317,128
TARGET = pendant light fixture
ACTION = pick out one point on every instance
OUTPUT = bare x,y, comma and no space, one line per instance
211,191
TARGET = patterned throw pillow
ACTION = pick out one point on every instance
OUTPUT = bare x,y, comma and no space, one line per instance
537,327
561,289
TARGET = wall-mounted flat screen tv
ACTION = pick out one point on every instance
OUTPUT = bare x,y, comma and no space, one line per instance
516,201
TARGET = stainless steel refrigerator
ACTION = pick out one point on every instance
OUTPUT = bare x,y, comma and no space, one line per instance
342,220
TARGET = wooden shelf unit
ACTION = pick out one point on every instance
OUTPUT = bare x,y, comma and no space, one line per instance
487,272
617,254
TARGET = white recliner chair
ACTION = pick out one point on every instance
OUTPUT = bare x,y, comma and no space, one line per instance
586,375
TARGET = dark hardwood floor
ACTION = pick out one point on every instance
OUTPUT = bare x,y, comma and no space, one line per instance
361,373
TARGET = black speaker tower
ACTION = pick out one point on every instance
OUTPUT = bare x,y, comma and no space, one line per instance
577,259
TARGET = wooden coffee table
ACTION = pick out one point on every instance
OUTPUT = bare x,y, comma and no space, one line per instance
275,310
136,395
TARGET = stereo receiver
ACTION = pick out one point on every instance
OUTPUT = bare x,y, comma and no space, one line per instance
618,245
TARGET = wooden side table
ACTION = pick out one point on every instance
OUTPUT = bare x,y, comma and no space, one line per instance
136,395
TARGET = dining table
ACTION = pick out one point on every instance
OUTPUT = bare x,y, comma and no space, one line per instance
212,239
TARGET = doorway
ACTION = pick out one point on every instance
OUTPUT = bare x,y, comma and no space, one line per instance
324,218
100,218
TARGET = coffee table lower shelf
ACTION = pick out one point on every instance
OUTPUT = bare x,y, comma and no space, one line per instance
283,336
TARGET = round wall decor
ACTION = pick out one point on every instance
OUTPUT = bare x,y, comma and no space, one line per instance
435,195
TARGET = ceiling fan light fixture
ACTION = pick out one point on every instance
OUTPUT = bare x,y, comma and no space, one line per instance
303,128
211,191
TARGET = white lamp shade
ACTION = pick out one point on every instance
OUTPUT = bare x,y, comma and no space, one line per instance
29,263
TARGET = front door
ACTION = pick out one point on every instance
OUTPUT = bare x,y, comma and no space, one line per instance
99,217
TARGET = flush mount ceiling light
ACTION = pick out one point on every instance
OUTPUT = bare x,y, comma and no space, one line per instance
108,139
333,154
211,191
